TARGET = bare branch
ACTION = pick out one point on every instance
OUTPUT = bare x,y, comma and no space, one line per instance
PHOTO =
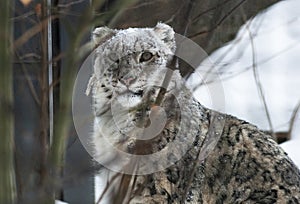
220,21
257,80
210,9
67,5
31,32
293,119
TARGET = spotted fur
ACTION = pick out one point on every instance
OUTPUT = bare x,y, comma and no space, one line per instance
228,161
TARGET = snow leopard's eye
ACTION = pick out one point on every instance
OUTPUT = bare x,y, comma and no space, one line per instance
146,56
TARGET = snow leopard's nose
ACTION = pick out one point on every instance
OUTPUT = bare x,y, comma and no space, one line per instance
127,80
127,75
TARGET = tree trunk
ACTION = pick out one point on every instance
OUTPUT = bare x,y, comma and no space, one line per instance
7,172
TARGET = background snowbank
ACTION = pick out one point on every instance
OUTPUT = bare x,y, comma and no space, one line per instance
275,36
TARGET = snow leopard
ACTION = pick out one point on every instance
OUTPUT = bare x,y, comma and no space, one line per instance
205,156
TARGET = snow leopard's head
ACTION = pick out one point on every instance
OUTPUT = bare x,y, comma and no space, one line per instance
129,62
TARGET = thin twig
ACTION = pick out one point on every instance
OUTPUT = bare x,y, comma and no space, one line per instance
293,119
30,85
206,79
31,32
208,10
257,80
108,185
243,70
139,6
171,19
263,61
131,191
68,5
118,8
21,17
219,22
29,81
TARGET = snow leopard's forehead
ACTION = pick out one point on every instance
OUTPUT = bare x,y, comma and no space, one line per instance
123,48
134,40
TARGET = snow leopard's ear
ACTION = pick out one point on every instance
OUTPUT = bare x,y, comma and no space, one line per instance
101,34
166,34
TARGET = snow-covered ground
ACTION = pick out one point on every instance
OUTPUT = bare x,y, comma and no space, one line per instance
274,38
